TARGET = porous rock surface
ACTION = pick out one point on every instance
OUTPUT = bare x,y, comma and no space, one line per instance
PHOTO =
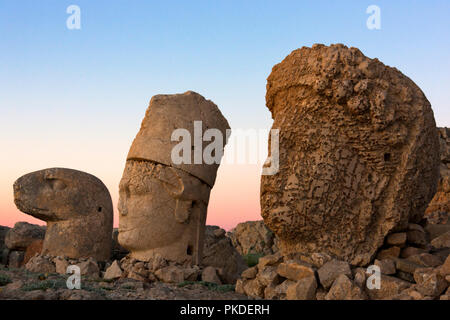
253,237
358,153
441,200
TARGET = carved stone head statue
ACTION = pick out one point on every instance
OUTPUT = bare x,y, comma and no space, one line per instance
163,203
77,208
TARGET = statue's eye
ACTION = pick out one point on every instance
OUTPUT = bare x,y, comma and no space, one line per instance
56,184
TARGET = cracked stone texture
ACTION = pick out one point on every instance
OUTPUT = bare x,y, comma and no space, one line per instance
219,253
163,205
253,237
358,153
441,200
77,208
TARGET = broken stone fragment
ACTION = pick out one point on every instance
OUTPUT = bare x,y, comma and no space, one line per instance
387,266
331,270
344,289
389,288
442,241
40,264
429,282
170,274
113,272
209,274
396,239
304,289
295,270
389,253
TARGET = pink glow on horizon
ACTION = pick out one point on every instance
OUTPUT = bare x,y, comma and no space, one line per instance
234,198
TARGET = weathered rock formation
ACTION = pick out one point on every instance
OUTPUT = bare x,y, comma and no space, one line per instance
77,208
22,235
219,253
358,153
441,200
253,237
163,202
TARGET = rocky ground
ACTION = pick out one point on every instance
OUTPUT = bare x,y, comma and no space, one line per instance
21,284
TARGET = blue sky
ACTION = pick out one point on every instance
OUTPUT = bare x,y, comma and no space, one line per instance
75,98
127,51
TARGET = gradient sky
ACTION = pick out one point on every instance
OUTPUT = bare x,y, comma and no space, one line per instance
76,98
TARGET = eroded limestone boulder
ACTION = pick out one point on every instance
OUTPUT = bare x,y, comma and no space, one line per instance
77,208
358,153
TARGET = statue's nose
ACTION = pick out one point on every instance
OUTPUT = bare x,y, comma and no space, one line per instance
123,207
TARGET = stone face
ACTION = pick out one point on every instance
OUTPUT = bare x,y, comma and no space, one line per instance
358,153
218,252
253,237
22,235
77,208
153,180
344,289
304,289
331,270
